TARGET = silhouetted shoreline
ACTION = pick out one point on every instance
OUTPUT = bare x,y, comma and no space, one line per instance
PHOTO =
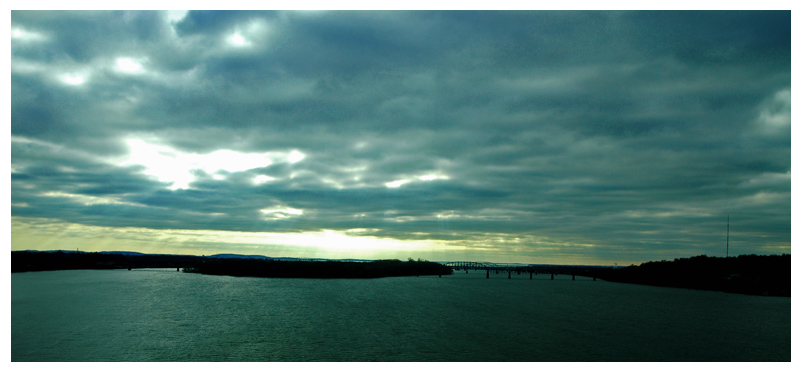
746,274
22,261
318,269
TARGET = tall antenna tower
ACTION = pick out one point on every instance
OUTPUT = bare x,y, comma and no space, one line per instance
728,236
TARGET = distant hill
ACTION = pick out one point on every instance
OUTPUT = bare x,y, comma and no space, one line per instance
231,255
127,253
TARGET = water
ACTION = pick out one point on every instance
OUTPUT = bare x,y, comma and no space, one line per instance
164,315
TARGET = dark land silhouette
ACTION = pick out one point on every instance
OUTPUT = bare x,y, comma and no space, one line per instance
318,269
74,260
22,261
746,274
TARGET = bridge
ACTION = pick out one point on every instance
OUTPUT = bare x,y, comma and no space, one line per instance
488,267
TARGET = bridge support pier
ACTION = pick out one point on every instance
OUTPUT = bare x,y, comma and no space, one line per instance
573,277
509,274
530,275
552,276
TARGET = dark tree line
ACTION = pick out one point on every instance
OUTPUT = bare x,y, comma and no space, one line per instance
747,274
318,269
71,260
22,261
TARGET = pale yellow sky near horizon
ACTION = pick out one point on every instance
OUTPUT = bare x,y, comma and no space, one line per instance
47,234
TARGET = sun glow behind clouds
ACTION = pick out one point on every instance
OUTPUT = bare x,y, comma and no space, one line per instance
85,199
175,167
260,179
237,39
73,79
21,34
295,156
427,177
176,16
46,234
432,177
129,65
32,233
396,184
279,212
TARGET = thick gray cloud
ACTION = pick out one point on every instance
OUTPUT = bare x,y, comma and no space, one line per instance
607,136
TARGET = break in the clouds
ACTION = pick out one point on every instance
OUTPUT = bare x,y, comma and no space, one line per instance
511,136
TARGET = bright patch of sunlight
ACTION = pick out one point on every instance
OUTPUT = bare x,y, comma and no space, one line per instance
228,160
237,39
85,199
21,34
252,33
295,156
395,184
175,167
175,16
73,79
128,65
260,179
46,234
329,240
279,212
426,177
432,177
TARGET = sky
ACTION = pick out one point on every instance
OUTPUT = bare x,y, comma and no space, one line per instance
567,137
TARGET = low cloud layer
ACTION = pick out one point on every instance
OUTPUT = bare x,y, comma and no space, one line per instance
519,136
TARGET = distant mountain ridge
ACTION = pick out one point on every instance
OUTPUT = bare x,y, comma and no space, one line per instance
232,255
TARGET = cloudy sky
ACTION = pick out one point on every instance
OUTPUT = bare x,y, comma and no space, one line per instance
534,137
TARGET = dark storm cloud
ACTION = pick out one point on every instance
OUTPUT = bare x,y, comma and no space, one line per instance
635,133
81,36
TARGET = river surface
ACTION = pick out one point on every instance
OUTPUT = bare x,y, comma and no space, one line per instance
164,315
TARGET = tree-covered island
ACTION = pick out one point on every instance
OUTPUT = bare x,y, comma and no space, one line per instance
318,269
232,265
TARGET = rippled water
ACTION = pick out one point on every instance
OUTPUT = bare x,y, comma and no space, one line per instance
164,315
